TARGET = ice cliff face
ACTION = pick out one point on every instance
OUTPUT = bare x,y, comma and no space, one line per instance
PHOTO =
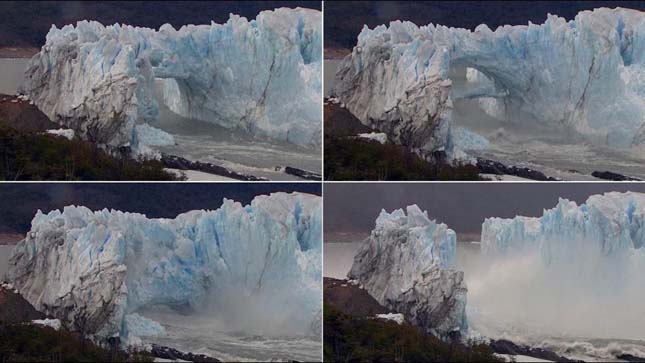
262,76
585,76
604,228
407,265
98,269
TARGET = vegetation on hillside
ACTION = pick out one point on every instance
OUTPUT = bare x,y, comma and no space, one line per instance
354,339
35,156
32,343
350,158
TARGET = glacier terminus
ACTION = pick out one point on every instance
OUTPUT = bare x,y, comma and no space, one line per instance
261,76
96,270
581,81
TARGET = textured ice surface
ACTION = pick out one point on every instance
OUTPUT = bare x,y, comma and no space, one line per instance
570,281
584,77
262,76
99,268
407,265
607,225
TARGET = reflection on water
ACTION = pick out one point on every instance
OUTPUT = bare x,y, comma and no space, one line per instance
12,74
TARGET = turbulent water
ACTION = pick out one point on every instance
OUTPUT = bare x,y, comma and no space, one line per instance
519,300
200,335
504,303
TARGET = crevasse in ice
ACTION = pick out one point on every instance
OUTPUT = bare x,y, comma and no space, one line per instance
408,265
585,76
98,269
262,76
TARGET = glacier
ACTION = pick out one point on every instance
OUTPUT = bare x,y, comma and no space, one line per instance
262,76
573,276
584,78
605,227
408,265
96,270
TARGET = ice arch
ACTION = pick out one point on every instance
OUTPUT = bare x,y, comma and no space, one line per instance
585,76
261,76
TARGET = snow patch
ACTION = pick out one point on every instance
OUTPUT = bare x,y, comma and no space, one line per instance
397,318
374,136
66,133
52,323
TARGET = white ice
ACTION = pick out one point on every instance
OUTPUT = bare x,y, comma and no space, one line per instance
262,76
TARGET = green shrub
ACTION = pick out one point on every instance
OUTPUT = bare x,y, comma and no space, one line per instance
352,339
348,158
33,156
31,343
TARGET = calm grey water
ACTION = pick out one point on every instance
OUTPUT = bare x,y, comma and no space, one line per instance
235,150
330,67
338,258
5,252
12,74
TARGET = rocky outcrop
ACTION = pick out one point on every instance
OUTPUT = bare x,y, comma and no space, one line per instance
407,265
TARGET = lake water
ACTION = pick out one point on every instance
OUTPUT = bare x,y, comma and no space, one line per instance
330,68
205,335
5,253
338,258
12,74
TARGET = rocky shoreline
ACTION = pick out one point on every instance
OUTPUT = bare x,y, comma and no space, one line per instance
14,309
177,162
351,299
494,167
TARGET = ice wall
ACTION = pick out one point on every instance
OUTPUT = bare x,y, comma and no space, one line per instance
262,76
576,272
611,225
98,269
584,76
407,265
